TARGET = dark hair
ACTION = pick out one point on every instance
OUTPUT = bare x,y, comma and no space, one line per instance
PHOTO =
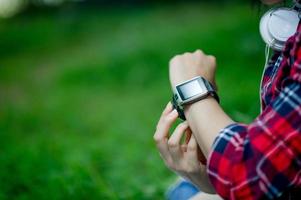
254,2
261,7
259,2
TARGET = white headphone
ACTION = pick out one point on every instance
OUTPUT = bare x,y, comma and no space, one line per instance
277,25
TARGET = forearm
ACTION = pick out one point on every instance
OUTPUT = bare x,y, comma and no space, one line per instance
206,118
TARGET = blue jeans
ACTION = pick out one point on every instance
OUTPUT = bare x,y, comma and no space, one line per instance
183,190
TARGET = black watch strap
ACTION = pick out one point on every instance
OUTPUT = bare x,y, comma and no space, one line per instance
212,90
179,108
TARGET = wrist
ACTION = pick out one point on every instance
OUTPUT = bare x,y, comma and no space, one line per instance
205,103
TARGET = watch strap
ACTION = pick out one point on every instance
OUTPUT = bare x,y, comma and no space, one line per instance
178,107
211,90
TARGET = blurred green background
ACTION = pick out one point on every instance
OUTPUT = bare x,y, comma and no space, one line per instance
83,85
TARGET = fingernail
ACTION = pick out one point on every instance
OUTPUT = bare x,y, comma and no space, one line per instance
174,112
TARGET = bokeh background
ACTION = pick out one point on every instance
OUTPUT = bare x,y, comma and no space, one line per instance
83,83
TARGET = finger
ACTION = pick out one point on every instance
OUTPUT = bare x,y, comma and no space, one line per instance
211,58
167,109
164,125
174,142
198,51
164,151
167,113
175,138
188,135
161,135
192,148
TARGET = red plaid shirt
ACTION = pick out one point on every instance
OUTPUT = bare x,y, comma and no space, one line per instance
262,160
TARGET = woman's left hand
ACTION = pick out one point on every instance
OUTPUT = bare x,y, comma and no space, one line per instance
184,159
189,65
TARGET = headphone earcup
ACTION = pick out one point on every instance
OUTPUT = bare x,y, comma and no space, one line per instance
263,28
277,25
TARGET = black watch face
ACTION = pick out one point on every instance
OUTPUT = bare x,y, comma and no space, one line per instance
189,89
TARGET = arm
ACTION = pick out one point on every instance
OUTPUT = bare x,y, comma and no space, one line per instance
171,149
259,160
205,118
262,159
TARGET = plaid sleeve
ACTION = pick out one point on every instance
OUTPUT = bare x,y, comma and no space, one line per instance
263,159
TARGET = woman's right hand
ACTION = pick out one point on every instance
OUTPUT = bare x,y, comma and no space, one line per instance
181,158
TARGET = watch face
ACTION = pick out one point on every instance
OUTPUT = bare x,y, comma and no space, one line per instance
189,89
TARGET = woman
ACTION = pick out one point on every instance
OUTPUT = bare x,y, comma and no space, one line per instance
261,160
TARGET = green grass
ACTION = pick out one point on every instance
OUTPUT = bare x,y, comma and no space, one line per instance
82,90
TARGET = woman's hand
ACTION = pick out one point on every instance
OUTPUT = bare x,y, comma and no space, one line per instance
185,158
189,65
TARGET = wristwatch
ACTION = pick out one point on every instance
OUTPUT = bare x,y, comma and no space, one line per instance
192,91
